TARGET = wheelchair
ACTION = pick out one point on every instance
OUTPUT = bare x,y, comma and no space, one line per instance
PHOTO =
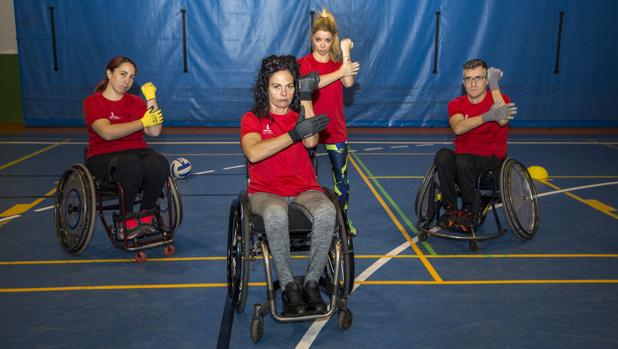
512,188
80,195
247,241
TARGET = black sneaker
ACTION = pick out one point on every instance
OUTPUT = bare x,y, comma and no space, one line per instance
313,298
293,303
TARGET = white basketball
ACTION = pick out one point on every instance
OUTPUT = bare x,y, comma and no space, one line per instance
180,168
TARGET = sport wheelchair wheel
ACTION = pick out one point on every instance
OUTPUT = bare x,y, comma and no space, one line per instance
346,272
75,209
176,206
427,197
519,198
238,254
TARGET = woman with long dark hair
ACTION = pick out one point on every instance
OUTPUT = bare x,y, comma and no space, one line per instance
275,138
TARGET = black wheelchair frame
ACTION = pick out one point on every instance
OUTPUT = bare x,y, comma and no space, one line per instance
79,196
495,190
247,241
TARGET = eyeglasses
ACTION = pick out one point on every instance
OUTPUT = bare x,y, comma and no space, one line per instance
476,79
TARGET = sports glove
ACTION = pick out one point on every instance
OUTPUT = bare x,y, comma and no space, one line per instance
149,91
307,84
499,112
307,127
152,117
493,76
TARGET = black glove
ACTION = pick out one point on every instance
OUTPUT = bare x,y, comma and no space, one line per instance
307,127
307,84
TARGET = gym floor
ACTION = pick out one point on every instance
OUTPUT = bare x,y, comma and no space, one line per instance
559,289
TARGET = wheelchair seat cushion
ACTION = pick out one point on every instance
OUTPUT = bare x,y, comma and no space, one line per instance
299,227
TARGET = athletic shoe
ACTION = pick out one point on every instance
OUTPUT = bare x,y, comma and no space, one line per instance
313,298
293,303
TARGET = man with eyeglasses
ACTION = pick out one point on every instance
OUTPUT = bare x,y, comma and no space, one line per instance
480,122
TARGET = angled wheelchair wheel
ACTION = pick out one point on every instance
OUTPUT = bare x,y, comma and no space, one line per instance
75,209
519,198
238,254
427,197
170,191
346,271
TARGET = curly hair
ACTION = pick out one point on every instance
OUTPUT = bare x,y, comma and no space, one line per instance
271,65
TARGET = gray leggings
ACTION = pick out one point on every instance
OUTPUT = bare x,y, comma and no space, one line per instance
274,211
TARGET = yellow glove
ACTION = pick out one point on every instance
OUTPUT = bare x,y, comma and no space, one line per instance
152,117
149,90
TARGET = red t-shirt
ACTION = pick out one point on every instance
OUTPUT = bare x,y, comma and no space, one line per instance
488,139
128,108
327,100
287,173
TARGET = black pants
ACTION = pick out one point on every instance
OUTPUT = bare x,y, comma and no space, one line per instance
463,170
134,169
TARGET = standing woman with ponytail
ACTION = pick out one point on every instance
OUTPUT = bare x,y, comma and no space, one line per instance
331,58
116,123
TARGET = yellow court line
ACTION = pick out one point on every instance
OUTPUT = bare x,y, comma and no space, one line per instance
552,177
262,284
597,205
489,282
19,209
368,256
26,157
423,259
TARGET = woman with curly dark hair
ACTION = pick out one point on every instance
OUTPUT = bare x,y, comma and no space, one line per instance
274,137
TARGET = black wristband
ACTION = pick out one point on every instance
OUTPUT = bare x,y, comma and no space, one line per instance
305,95
294,135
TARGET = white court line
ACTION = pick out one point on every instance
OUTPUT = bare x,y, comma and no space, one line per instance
378,148
233,167
316,326
203,172
570,189
577,188
10,217
398,146
44,208
425,145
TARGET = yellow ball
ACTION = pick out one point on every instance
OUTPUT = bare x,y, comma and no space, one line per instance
538,172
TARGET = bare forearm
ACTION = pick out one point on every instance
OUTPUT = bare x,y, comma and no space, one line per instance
310,142
257,149
112,132
329,78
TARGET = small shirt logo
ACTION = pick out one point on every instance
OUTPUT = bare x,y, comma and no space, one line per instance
113,117
268,131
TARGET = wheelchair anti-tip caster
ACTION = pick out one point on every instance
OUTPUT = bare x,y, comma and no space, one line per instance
140,257
169,250
344,319
474,245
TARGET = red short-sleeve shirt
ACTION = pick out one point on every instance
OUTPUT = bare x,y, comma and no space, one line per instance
287,173
128,108
488,139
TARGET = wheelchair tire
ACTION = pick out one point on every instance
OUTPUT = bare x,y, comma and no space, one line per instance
238,254
75,209
170,188
347,251
424,205
344,319
519,198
